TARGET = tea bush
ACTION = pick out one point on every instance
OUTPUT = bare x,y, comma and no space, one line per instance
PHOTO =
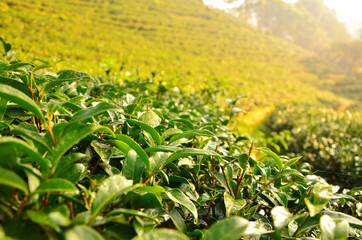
89,158
331,141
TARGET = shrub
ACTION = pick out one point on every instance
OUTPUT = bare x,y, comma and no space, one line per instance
327,139
83,158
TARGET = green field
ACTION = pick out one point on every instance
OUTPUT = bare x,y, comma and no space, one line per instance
179,41
127,120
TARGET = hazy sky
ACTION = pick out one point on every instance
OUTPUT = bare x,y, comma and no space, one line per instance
348,11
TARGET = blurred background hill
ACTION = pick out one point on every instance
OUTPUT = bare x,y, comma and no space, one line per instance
292,53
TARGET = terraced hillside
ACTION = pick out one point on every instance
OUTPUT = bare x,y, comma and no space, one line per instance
177,40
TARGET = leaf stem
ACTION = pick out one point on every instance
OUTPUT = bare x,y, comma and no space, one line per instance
208,211
227,182
262,190
23,203
45,201
51,132
70,207
240,178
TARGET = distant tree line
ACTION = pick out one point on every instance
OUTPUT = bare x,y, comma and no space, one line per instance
308,23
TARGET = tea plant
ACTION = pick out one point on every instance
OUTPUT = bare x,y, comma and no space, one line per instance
329,140
85,159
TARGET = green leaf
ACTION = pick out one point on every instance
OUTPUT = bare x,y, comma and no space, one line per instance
319,196
162,234
72,136
67,161
157,159
93,111
82,232
220,177
179,197
149,129
184,121
120,145
256,229
327,227
3,67
130,212
109,189
293,172
73,172
178,221
42,218
27,149
103,150
15,84
292,161
65,76
56,185
273,155
35,136
227,229
281,217
21,99
170,132
3,105
150,118
192,133
338,216
133,167
17,65
8,178
353,190
341,232
190,152
7,46
232,205
141,153
243,160
42,66
162,148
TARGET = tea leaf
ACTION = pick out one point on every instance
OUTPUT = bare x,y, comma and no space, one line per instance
277,159
36,157
149,129
141,153
292,161
162,234
93,111
65,76
36,137
150,118
327,228
190,152
133,167
178,220
81,232
72,136
8,178
179,197
227,229
109,189
130,212
192,133
56,185
16,96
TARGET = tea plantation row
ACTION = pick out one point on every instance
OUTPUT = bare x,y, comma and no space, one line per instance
331,141
92,158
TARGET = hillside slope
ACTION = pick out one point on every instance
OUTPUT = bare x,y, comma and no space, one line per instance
178,40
